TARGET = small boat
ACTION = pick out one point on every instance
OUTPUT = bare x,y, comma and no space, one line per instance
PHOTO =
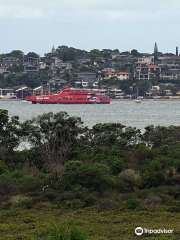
137,100
71,96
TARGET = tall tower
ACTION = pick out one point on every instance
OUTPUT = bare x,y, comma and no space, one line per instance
155,52
53,49
176,51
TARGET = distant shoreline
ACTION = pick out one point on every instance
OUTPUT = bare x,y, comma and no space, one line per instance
10,100
149,100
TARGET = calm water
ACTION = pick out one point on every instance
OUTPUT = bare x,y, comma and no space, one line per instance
129,113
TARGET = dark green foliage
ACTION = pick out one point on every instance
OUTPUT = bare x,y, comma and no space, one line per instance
132,203
28,157
54,136
32,54
151,179
3,167
72,166
116,164
142,153
9,136
92,176
158,136
19,180
114,135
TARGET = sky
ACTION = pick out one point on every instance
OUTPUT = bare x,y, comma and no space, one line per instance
38,25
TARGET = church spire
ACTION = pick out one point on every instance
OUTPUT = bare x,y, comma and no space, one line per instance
53,49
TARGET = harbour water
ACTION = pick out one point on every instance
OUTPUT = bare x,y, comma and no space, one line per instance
129,113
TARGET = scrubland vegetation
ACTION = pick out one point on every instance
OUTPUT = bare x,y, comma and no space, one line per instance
80,183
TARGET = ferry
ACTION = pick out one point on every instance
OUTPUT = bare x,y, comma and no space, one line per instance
70,96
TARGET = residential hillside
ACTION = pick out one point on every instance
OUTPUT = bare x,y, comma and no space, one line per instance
117,73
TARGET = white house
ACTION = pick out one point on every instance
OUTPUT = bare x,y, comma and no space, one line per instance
119,75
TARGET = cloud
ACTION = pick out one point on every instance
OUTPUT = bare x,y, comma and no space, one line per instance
71,10
16,12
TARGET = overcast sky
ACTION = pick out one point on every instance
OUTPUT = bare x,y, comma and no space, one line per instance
37,25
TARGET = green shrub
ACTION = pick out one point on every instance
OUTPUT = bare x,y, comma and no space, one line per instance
25,202
65,231
3,167
7,186
150,179
107,203
50,195
173,208
132,203
94,177
116,164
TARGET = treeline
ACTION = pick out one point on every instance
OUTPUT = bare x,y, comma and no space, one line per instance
64,155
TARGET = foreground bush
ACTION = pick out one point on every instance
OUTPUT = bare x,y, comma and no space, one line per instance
65,231
90,177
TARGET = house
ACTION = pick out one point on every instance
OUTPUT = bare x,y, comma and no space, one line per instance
57,84
42,65
58,67
118,75
31,64
4,71
7,93
124,57
9,61
30,61
85,79
146,72
22,91
109,69
170,66
170,75
115,91
83,61
40,91
144,60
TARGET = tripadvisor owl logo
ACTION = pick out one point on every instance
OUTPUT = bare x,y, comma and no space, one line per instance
139,231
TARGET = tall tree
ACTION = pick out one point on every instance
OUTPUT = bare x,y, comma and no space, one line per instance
155,51
9,136
54,135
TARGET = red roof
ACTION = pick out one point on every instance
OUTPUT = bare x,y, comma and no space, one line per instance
119,73
149,66
153,66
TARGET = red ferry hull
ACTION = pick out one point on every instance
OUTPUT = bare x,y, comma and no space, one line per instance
70,96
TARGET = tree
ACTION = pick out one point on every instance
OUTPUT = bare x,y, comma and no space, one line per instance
9,137
155,52
17,54
143,87
32,54
134,52
106,53
92,177
113,134
54,135
158,136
